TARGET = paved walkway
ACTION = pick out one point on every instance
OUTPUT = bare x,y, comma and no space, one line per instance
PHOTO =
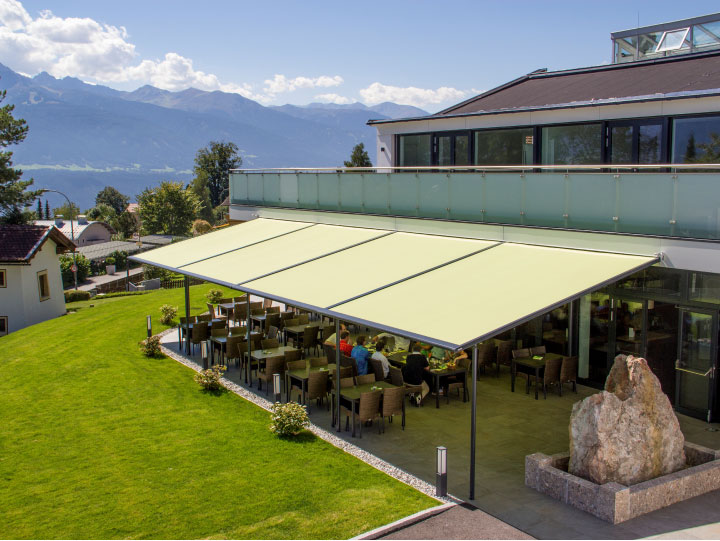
94,281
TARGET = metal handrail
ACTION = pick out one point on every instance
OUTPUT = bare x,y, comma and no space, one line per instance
611,168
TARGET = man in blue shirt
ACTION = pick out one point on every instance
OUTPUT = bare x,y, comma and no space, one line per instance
361,355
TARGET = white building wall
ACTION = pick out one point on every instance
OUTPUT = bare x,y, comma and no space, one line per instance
12,297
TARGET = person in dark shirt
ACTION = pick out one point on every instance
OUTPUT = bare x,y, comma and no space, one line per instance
415,371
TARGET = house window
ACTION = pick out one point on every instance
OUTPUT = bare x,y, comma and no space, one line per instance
3,325
43,285
574,144
3,278
504,147
414,150
673,40
696,140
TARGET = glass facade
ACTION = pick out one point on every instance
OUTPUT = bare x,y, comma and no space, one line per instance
572,144
414,150
696,140
504,147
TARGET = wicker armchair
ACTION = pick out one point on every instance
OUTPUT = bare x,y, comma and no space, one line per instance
184,327
231,348
368,408
269,343
396,378
568,372
293,355
273,365
487,355
303,319
309,339
199,334
367,378
458,382
345,360
273,332
552,375
317,387
538,350
377,369
296,365
393,403
320,361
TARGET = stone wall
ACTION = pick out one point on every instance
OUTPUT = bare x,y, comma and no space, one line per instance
617,503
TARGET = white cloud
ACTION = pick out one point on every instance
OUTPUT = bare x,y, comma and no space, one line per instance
280,84
333,98
419,97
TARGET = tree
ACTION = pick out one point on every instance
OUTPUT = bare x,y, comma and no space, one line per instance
68,212
14,196
39,211
113,198
168,209
47,210
359,157
212,169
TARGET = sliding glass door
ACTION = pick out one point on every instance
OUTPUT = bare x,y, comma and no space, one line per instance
635,141
451,149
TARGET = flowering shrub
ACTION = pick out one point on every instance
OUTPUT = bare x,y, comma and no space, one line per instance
288,419
168,314
210,379
151,346
214,295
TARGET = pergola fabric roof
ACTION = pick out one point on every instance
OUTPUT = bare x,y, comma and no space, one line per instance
448,291
238,236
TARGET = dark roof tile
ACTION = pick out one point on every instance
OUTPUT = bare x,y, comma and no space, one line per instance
19,243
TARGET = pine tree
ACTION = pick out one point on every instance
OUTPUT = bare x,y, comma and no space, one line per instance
38,212
359,157
47,211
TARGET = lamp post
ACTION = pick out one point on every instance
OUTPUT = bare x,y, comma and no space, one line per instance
72,233
441,473
276,387
204,354
149,326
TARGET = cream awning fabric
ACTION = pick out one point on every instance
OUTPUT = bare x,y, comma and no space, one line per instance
449,291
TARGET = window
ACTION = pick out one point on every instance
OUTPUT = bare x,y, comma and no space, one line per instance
504,147
414,150
672,40
3,278
43,285
3,325
575,144
696,140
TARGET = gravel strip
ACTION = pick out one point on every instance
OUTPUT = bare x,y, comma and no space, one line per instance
368,458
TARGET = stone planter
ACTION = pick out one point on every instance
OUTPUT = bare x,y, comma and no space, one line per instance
110,269
617,503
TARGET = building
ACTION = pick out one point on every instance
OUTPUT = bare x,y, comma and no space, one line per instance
31,288
83,231
619,158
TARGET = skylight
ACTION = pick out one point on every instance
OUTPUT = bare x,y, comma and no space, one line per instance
672,40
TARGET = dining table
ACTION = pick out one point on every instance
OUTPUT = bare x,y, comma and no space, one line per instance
261,356
301,376
225,308
221,343
530,365
297,331
351,397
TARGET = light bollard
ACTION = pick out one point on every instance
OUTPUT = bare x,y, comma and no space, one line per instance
204,354
276,387
149,326
441,474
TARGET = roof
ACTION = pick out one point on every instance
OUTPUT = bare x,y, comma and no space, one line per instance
448,291
682,76
20,243
161,239
133,207
226,202
104,249
77,228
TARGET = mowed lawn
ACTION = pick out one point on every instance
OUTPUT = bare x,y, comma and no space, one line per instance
97,441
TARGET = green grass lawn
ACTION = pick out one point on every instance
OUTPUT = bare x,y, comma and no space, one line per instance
97,441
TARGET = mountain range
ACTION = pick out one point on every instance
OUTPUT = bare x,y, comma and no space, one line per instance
82,137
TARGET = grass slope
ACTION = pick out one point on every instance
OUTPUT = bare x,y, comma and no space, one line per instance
97,441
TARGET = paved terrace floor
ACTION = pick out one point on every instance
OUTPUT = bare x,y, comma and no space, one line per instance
509,427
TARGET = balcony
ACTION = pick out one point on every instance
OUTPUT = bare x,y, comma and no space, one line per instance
659,200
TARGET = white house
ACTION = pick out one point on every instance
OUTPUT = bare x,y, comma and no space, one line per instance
31,288
84,232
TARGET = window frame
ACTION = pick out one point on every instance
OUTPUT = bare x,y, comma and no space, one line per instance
3,278
40,275
6,331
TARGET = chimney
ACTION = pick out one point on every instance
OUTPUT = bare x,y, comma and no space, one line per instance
59,221
82,219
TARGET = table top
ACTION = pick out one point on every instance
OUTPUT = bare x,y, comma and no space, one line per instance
537,363
301,328
223,339
260,354
304,373
447,371
353,393
227,306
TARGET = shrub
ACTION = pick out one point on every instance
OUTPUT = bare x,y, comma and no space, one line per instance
110,260
83,265
168,314
209,379
288,419
150,272
151,346
74,296
200,227
120,257
214,295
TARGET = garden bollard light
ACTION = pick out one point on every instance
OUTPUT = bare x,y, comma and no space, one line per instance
204,354
149,326
276,387
441,474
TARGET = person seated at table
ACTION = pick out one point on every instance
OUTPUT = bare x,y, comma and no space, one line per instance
345,346
332,339
417,371
361,355
400,342
378,356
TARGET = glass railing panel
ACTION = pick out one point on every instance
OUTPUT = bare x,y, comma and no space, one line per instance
697,206
645,202
271,191
255,189
433,198
308,190
376,193
404,194
544,199
289,189
502,198
591,201
465,196
351,192
329,192
238,188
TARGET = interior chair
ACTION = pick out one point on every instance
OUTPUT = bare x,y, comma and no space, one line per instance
199,334
551,375
368,408
393,403
568,372
538,350
377,369
457,382
365,379
396,378
269,343
273,365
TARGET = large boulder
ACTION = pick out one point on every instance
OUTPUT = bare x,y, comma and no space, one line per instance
629,432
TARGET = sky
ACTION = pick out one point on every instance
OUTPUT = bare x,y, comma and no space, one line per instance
426,53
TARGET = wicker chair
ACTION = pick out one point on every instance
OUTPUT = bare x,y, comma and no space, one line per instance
552,375
377,369
242,350
487,355
239,298
293,355
183,328
568,372
503,354
345,382
318,362
317,387
393,403
291,322
309,339
237,331
213,314
458,383
346,360
267,303
204,317
367,378
256,306
303,319
327,332
296,365
273,365
272,320
225,300
231,348
273,332
396,378
368,408
538,350
199,334
329,353
269,343
272,310
218,324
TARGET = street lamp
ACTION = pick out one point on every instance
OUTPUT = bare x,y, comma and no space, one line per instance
72,233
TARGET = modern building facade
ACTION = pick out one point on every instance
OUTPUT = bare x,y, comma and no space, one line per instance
620,158
31,288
